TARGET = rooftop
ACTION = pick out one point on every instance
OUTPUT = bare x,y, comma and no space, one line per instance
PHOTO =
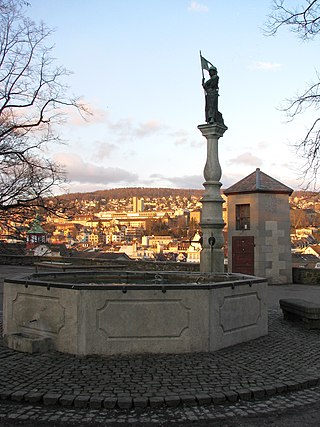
258,182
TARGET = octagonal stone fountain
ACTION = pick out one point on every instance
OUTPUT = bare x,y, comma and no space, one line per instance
107,313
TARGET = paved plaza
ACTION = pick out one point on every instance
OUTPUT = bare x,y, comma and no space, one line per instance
246,384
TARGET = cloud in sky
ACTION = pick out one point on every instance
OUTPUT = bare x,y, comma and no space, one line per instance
127,129
261,65
197,7
103,150
148,128
182,137
181,141
263,145
84,172
94,115
186,181
246,159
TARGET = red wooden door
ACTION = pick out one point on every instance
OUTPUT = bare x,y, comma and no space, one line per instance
243,254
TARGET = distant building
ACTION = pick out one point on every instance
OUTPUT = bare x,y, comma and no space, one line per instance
117,237
137,204
195,216
129,250
305,232
51,250
97,238
312,250
181,257
160,240
145,240
194,249
36,235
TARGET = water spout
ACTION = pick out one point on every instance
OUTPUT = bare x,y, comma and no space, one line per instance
158,278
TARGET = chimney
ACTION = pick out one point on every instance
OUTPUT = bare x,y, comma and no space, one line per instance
258,179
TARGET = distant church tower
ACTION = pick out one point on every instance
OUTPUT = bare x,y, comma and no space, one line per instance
259,228
36,235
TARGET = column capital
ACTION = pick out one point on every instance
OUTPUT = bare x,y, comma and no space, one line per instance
214,129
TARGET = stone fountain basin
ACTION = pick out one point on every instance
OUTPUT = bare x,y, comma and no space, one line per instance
109,313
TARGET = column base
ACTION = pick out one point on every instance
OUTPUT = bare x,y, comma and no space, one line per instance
212,261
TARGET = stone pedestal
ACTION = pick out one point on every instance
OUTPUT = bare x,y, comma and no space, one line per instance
212,224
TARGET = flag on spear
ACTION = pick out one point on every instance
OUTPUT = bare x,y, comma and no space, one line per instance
205,64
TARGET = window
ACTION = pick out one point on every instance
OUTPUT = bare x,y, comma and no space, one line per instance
243,217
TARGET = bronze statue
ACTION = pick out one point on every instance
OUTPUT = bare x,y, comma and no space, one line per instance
211,88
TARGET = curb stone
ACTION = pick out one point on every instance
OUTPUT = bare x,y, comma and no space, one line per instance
173,401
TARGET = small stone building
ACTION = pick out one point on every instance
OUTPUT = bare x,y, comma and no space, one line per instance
259,228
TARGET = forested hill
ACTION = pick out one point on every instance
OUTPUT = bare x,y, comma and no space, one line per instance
126,193
154,193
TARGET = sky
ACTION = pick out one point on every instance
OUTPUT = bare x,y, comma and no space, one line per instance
136,65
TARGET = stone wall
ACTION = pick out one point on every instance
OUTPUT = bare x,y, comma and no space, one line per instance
306,276
17,260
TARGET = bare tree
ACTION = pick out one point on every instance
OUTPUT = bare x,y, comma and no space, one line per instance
304,20
33,100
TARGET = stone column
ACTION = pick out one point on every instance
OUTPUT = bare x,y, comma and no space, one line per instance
212,257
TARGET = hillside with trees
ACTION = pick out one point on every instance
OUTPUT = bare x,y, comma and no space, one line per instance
126,193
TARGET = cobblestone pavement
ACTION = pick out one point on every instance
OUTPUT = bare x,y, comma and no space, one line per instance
297,409
231,387
266,366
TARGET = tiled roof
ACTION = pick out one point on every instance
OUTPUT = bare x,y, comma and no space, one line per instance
36,228
258,182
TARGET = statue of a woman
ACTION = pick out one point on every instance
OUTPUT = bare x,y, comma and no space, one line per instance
211,88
